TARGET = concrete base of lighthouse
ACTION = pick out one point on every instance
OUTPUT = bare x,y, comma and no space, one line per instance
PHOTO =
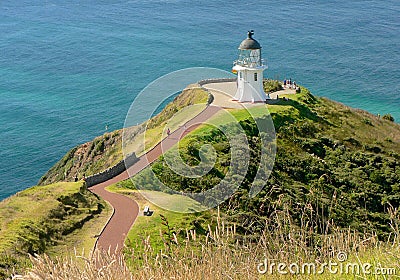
250,95
223,96
250,85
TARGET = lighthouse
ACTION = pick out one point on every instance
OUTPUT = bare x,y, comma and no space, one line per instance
249,68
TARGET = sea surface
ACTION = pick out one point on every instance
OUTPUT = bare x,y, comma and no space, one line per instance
68,69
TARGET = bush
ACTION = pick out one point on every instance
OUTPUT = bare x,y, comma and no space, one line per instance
388,117
272,85
367,121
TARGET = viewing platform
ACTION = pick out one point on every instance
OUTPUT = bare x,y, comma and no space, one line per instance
224,93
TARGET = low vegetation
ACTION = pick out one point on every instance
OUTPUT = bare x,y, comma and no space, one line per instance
329,161
44,219
87,159
105,151
184,107
334,188
388,117
190,96
222,253
272,85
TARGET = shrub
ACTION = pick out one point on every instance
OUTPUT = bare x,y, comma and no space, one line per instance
367,121
388,117
272,85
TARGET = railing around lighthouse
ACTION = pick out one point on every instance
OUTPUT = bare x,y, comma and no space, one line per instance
248,63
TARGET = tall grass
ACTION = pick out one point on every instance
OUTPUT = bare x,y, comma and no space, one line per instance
100,265
224,254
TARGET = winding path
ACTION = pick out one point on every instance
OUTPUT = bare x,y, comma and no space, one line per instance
125,209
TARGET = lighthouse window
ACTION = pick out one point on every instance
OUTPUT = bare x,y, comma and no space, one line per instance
255,77
240,75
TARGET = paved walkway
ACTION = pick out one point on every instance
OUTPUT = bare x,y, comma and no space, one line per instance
224,93
125,209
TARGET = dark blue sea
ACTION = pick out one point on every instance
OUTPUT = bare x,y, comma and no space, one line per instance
69,68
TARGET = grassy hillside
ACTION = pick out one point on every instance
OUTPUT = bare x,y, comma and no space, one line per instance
66,215
48,219
185,106
106,150
334,187
335,165
87,159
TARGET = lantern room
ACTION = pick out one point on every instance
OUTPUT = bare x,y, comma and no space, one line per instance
249,67
249,52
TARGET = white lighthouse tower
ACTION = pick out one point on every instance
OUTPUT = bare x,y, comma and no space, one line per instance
249,68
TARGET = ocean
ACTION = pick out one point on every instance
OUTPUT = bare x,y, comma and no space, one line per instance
68,69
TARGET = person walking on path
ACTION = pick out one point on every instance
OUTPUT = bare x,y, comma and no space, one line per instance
126,209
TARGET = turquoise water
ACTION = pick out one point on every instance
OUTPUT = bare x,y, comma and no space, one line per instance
69,69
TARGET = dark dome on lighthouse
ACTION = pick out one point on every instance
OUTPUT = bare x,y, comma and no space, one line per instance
249,43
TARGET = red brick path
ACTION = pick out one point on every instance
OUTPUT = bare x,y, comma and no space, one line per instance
125,209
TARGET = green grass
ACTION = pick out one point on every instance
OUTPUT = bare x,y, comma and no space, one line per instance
106,150
90,158
83,239
334,187
161,200
53,219
308,128
233,115
145,226
324,148
183,108
30,206
154,135
337,120
179,203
